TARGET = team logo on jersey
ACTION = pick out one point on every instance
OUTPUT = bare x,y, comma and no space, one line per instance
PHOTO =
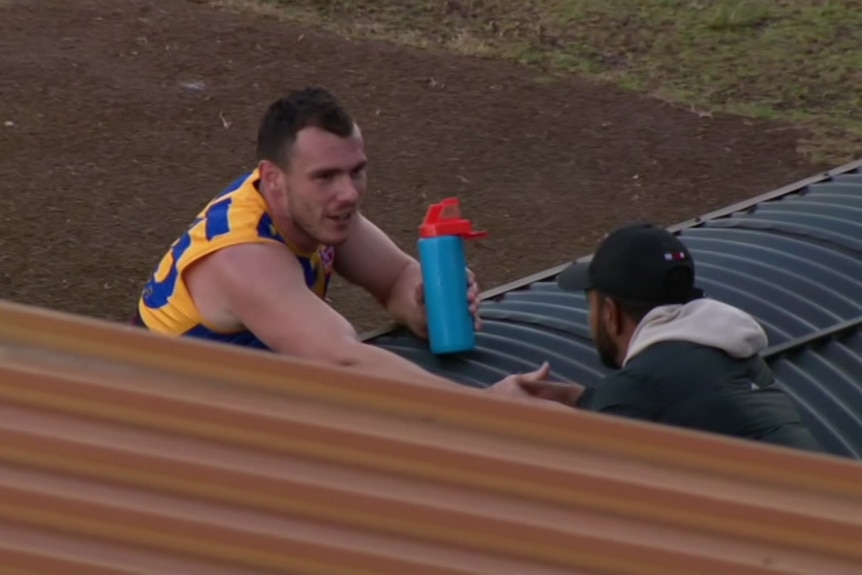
327,256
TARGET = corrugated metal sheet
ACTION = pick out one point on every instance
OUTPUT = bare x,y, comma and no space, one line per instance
792,258
122,451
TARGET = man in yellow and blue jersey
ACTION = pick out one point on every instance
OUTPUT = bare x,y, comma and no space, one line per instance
254,266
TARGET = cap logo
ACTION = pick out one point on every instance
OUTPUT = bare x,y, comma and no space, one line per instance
674,256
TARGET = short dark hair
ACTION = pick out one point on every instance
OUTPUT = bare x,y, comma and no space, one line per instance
305,108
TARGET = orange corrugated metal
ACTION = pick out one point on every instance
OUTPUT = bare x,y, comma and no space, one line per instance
126,452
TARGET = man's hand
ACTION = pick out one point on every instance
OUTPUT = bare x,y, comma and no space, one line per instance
535,385
566,394
418,323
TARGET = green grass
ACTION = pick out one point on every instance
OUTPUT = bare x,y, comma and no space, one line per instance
792,60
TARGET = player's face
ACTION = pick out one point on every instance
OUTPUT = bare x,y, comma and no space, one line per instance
324,182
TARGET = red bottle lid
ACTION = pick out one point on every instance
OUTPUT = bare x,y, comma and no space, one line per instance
444,219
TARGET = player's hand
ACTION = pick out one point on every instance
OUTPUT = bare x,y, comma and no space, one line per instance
419,324
535,385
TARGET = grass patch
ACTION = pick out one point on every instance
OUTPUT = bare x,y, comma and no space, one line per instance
792,60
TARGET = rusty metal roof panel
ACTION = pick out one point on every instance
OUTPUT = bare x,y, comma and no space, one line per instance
122,451
792,258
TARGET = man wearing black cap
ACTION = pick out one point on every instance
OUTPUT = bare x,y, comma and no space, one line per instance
681,358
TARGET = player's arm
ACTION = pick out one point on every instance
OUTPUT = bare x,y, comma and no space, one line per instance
263,286
371,260
621,393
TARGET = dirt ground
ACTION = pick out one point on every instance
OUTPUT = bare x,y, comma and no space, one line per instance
108,147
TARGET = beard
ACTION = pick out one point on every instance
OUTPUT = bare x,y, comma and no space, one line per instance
326,232
606,348
319,228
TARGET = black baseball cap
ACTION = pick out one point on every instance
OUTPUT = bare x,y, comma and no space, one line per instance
638,262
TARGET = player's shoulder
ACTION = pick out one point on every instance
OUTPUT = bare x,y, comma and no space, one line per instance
253,258
236,214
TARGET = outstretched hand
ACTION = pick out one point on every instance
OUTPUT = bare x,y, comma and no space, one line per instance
535,385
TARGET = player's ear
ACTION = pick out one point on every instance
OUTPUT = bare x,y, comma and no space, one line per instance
612,316
271,175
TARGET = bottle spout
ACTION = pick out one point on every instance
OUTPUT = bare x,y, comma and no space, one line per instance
444,219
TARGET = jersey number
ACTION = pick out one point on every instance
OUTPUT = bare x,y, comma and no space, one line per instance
157,293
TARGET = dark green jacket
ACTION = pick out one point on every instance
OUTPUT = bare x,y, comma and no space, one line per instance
690,385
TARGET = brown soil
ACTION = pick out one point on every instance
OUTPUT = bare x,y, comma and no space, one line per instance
105,155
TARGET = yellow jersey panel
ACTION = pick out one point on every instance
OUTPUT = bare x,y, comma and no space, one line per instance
236,216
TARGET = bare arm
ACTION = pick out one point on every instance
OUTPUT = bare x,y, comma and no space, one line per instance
263,287
371,260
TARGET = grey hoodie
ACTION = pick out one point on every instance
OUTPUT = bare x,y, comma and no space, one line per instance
703,321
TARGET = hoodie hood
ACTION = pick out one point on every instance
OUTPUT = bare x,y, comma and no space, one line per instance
704,322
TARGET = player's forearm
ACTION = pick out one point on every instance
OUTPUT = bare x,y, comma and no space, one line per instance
382,362
401,302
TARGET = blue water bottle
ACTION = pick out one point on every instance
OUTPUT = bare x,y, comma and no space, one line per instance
444,274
